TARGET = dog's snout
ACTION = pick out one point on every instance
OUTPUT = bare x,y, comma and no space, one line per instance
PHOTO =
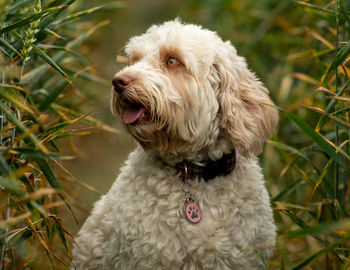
121,82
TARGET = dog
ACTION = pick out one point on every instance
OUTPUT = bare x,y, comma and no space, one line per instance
192,194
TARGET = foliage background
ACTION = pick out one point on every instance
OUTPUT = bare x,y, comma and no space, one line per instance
291,45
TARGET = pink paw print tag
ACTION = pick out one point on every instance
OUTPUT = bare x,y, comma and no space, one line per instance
192,211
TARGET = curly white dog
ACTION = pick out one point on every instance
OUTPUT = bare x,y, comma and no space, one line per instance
192,195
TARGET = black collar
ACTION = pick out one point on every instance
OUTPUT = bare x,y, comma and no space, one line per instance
210,168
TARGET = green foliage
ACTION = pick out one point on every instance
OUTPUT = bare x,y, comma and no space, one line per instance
39,68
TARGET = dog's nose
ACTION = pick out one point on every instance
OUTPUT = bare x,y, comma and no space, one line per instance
121,82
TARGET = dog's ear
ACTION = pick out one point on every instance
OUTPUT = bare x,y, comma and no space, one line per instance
243,98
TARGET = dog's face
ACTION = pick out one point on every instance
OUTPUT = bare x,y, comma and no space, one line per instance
185,87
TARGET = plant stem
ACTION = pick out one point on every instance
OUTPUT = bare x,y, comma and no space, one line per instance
336,108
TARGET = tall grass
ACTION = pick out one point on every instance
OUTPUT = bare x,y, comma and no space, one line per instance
41,71
313,208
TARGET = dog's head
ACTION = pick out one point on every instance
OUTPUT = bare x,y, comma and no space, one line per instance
185,88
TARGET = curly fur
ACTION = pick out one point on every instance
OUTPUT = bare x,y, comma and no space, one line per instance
206,105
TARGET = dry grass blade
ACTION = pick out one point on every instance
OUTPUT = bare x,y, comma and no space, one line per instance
340,98
14,220
338,120
306,78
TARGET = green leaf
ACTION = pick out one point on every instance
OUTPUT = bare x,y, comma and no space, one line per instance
61,48
344,13
341,111
6,53
322,229
330,106
87,76
306,261
288,149
10,86
18,4
61,55
339,58
11,186
51,62
15,99
5,169
46,170
35,153
77,15
8,46
13,119
287,191
67,135
302,225
30,19
60,86
317,138
311,6
52,33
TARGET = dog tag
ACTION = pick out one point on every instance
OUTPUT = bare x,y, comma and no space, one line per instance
192,211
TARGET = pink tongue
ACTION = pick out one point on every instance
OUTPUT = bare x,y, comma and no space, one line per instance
132,114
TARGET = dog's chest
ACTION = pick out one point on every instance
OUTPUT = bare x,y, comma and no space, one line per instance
149,211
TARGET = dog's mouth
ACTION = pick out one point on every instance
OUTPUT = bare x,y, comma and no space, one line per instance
135,113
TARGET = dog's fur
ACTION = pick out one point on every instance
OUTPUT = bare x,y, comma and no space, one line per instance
205,105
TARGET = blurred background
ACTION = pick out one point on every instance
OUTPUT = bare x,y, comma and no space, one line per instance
299,49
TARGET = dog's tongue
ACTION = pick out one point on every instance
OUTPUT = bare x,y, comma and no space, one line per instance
132,114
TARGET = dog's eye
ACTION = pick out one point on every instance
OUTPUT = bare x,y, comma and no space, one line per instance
172,61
